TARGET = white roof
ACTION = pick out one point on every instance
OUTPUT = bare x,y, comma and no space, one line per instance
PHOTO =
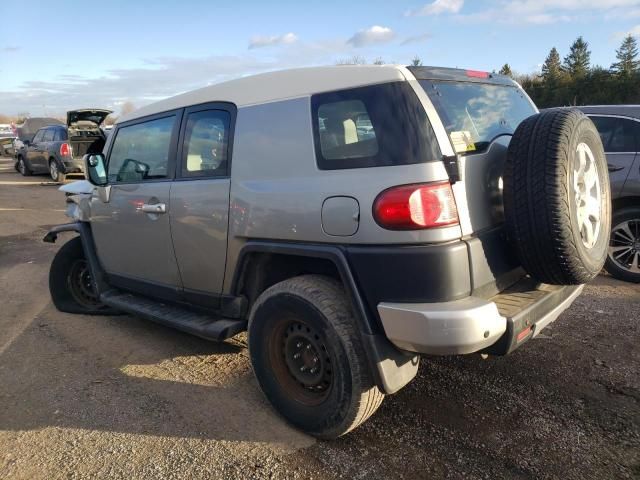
285,84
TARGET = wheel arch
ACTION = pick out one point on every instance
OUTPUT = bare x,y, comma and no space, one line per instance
262,264
625,202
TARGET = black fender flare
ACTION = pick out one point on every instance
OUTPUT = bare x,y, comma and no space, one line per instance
392,368
86,236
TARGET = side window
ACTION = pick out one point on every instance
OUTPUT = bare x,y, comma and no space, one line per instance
38,136
205,147
141,151
624,139
48,135
617,134
60,135
374,126
346,130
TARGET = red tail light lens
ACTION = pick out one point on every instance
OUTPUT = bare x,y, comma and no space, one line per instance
414,207
65,150
477,74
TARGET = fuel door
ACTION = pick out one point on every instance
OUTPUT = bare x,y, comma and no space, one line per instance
340,216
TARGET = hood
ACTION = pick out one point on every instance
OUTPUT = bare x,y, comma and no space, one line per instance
93,115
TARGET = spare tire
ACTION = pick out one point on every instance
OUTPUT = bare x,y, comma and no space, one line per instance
557,199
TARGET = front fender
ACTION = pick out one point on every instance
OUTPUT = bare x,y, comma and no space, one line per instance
86,235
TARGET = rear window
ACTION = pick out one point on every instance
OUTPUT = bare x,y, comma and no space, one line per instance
374,126
475,114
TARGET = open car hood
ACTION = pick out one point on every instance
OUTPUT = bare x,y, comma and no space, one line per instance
93,115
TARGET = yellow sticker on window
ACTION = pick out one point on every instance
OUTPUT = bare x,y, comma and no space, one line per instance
462,141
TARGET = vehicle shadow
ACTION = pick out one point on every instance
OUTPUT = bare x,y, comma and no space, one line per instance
122,374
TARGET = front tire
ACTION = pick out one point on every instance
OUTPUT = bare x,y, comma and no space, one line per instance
55,173
307,356
70,281
623,258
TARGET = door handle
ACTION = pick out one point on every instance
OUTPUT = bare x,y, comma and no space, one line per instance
154,208
614,168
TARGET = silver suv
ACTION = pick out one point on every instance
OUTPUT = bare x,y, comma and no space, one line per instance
350,218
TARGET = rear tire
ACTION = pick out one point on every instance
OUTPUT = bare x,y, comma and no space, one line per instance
307,356
556,197
623,259
23,168
70,282
55,173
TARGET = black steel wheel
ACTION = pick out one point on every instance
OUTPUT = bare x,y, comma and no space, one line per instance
70,282
308,358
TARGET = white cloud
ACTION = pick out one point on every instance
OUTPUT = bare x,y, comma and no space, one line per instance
437,7
540,12
372,35
260,41
634,32
416,39
157,78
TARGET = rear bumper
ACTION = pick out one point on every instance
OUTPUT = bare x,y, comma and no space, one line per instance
73,165
497,325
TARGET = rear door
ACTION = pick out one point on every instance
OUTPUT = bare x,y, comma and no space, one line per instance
130,217
618,137
200,200
480,119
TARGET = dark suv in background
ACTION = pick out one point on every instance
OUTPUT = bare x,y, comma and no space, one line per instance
619,128
58,149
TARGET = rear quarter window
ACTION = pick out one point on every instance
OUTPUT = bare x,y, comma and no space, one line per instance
373,126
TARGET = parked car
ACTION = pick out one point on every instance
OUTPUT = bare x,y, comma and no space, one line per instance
58,149
619,128
7,135
259,204
26,132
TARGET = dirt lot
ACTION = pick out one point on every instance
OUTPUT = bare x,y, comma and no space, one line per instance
117,397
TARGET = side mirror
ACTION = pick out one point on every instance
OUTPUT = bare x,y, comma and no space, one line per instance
94,169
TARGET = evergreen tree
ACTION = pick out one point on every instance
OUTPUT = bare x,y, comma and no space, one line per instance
579,58
416,62
552,68
506,70
627,55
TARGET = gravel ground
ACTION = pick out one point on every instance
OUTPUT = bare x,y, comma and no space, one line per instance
117,397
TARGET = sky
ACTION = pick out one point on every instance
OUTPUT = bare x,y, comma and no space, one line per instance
57,56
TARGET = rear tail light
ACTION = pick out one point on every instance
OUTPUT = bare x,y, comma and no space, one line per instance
65,150
414,207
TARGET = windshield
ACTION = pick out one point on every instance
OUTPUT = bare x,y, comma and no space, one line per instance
475,114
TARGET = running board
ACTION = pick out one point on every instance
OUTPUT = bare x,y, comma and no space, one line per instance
201,325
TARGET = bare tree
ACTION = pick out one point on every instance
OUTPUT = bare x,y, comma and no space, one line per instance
416,61
354,60
127,107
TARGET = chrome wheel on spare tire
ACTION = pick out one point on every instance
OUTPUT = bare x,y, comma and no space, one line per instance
588,197
557,198
623,259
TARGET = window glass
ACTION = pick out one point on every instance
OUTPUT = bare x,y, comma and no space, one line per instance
48,135
60,135
38,136
606,127
141,151
617,134
475,114
346,130
206,140
378,125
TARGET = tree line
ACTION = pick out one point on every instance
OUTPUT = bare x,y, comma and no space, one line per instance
574,81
